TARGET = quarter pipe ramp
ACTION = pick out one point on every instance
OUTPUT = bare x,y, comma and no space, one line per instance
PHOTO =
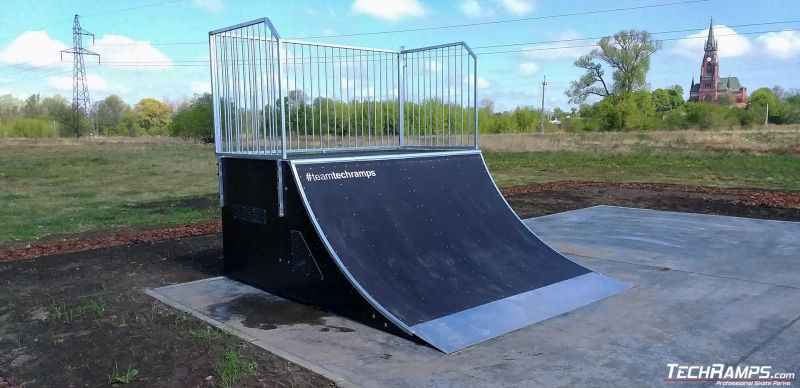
423,243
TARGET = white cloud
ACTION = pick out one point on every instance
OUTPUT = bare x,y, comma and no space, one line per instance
199,87
389,9
528,68
34,48
784,44
560,50
518,7
471,8
95,83
483,83
124,53
209,5
329,32
730,43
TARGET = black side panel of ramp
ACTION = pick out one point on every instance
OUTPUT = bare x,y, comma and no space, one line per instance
283,255
431,243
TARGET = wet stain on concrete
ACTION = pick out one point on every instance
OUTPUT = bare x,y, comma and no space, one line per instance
665,269
261,313
337,329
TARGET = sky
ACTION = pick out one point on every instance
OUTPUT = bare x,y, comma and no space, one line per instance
158,48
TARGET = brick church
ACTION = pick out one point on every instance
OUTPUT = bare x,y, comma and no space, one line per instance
711,87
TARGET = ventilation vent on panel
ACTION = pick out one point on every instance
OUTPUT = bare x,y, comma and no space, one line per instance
249,214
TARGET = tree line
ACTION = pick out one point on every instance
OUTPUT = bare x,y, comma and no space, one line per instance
52,116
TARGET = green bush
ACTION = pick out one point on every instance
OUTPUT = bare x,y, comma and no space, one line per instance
29,127
195,121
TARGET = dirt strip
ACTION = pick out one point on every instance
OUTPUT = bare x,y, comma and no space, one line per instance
113,238
747,197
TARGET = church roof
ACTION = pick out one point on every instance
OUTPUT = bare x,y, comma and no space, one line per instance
728,83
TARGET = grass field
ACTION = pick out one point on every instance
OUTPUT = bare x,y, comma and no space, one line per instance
52,186
60,186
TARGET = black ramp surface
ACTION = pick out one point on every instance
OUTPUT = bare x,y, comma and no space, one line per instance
434,245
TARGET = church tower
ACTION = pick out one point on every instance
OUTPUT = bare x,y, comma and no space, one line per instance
711,87
709,69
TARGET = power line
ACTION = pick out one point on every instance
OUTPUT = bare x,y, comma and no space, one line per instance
132,8
660,5
44,26
487,46
594,44
461,25
204,63
30,68
43,76
650,33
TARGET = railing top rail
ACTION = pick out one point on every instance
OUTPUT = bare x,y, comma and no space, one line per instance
438,46
329,45
248,24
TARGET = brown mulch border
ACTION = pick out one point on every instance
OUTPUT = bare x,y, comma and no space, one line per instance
75,244
746,197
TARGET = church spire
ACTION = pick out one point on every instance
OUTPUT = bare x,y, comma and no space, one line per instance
711,43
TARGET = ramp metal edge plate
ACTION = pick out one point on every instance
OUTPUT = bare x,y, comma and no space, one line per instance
469,327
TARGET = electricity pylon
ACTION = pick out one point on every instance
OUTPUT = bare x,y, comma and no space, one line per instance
80,92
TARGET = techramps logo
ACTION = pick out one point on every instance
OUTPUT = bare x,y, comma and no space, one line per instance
729,375
336,175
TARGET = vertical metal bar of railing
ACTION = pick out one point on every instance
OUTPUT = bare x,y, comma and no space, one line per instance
281,100
273,120
228,133
213,66
475,98
295,95
311,97
250,93
461,92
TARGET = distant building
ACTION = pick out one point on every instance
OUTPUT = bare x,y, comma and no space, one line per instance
711,87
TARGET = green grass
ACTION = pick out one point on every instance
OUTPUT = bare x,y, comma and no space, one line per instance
53,186
767,171
116,377
231,368
206,333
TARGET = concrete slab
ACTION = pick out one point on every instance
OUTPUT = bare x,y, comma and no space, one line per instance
695,300
741,248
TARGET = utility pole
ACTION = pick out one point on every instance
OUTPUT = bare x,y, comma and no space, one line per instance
80,92
544,83
766,117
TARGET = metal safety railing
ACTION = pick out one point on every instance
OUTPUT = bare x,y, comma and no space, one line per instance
276,97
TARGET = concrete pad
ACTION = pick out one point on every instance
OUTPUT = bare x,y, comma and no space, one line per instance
694,300
740,248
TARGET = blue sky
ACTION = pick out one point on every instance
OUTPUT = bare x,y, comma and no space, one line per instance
131,34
